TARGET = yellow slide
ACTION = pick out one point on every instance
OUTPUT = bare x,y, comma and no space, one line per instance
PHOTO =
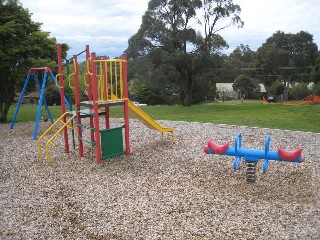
148,121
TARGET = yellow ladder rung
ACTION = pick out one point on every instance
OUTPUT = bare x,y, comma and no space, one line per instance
69,125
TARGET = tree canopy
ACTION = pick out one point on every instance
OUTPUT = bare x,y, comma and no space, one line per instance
168,37
288,56
23,45
246,86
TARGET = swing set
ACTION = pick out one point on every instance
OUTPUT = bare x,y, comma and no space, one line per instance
47,74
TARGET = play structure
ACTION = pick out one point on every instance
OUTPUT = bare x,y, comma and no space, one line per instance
106,85
46,75
252,156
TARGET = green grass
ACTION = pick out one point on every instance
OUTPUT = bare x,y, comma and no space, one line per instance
250,113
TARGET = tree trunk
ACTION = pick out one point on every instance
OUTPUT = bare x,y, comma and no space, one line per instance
187,99
5,106
4,109
5,103
2,117
187,90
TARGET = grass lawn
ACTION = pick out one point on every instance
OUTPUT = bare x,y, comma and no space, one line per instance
250,113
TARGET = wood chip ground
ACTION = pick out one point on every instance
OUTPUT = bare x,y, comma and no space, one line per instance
161,191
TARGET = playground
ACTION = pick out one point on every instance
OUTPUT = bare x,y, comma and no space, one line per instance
162,190
89,175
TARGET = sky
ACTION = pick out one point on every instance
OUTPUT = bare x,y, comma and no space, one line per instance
106,25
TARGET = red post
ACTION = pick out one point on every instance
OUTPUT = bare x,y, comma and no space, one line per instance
126,109
77,103
89,87
96,108
63,106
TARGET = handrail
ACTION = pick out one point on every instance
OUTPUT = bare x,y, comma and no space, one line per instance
72,74
85,76
56,132
69,80
109,77
88,60
110,60
58,86
66,124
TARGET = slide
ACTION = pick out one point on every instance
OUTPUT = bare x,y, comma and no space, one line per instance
147,120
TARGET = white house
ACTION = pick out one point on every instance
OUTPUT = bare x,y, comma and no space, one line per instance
225,90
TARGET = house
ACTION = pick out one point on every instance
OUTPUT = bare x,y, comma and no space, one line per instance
225,91
32,98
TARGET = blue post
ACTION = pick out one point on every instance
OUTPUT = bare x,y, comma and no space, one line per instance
44,99
40,106
20,100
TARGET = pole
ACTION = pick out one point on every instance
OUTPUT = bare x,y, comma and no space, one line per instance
89,88
96,108
126,107
63,106
77,103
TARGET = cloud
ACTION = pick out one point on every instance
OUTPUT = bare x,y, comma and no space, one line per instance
263,18
106,25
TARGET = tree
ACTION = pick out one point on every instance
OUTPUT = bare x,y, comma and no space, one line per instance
246,86
23,45
277,88
316,89
315,73
214,11
288,56
167,28
299,91
241,59
142,93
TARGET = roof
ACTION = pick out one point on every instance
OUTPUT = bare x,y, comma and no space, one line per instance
35,94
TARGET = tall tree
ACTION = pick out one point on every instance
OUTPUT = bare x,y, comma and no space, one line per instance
289,56
23,45
241,60
169,25
315,72
214,11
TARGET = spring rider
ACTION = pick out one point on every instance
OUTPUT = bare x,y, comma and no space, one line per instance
252,156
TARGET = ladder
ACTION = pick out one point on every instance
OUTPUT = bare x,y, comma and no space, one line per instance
51,133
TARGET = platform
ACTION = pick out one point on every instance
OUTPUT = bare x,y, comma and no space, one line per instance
102,103
84,113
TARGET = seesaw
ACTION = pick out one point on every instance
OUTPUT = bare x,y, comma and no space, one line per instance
252,156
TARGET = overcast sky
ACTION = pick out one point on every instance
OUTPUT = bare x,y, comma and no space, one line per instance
106,25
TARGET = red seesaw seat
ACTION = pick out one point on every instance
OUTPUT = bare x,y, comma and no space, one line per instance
290,155
216,148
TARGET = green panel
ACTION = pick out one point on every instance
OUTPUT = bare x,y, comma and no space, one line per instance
111,142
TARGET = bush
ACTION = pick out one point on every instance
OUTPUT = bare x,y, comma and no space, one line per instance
299,91
248,87
276,88
52,95
142,93
316,89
